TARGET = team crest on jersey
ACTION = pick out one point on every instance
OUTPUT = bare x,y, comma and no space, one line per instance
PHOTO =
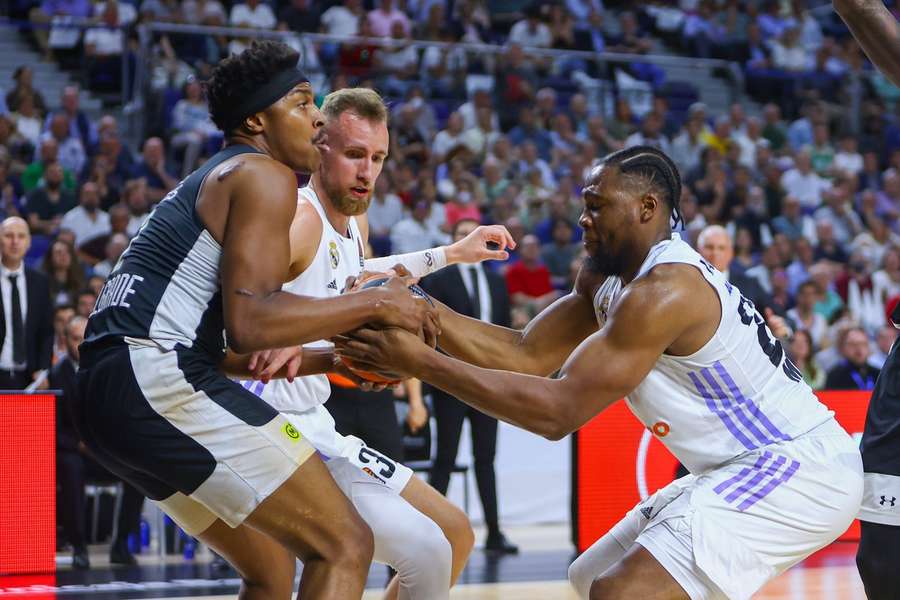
661,428
333,255
603,310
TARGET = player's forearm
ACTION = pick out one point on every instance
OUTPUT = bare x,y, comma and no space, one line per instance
876,30
419,264
315,361
537,404
282,319
483,344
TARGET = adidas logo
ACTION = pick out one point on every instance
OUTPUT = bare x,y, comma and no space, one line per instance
332,285
647,511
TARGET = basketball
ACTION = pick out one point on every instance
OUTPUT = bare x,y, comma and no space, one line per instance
415,290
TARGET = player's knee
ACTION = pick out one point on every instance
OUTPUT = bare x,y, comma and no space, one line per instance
272,578
356,545
581,575
458,530
429,549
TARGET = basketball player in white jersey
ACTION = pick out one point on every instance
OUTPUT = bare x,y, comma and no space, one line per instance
417,530
773,476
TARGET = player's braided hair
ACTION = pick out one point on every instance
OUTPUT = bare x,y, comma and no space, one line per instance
656,169
239,75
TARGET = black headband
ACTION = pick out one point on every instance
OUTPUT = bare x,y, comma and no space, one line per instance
265,96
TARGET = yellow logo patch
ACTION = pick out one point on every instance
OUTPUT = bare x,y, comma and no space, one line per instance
291,431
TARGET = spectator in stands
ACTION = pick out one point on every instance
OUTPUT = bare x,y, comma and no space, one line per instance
80,125
71,153
770,20
769,263
64,271
47,153
821,151
399,64
884,340
26,330
481,137
528,279
827,247
383,19
801,351
104,49
448,139
848,159
27,120
749,140
774,129
87,220
85,302
302,16
531,161
252,13
829,301
343,19
119,163
792,222
886,281
43,14
788,54
804,183
558,255
10,192
23,76
845,223
115,246
804,316
516,83
853,372
192,125
134,196
203,12
48,202
650,134
152,167
416,232
701,32
799,269
160,11
61,316
531,32
385,211
715,245
719,139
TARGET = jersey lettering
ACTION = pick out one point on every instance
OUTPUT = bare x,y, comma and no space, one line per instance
772,348
116,291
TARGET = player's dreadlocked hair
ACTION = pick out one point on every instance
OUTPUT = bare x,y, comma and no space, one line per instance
239,76
653,167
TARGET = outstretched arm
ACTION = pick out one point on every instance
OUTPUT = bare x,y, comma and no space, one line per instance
474,248
605,367
876,30
539,349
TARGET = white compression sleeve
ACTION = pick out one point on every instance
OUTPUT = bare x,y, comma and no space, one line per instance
419,263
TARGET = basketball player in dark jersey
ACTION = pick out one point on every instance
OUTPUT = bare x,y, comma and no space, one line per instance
878,32
206,271
879,545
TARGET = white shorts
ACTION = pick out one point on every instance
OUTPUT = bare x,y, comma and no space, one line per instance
318,428
881,499
726,532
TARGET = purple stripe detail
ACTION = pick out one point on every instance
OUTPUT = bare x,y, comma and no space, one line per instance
723,416
736,408
260,386
740,476
749,485
751,406
767,489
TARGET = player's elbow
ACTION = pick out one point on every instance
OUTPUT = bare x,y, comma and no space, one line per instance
241,339
556,427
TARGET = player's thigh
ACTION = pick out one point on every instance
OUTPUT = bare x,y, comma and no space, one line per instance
637,575
261,562
310,515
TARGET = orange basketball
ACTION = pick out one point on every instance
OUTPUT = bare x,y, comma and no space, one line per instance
369,375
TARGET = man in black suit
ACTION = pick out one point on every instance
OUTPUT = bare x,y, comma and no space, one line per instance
74,463
716,246
474,291
26,326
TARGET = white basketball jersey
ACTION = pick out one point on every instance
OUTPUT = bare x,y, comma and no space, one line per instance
338,257
738,393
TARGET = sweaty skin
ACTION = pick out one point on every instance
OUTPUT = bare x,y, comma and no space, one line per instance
876,30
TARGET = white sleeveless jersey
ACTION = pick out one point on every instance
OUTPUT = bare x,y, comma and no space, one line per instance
337,257
739,392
